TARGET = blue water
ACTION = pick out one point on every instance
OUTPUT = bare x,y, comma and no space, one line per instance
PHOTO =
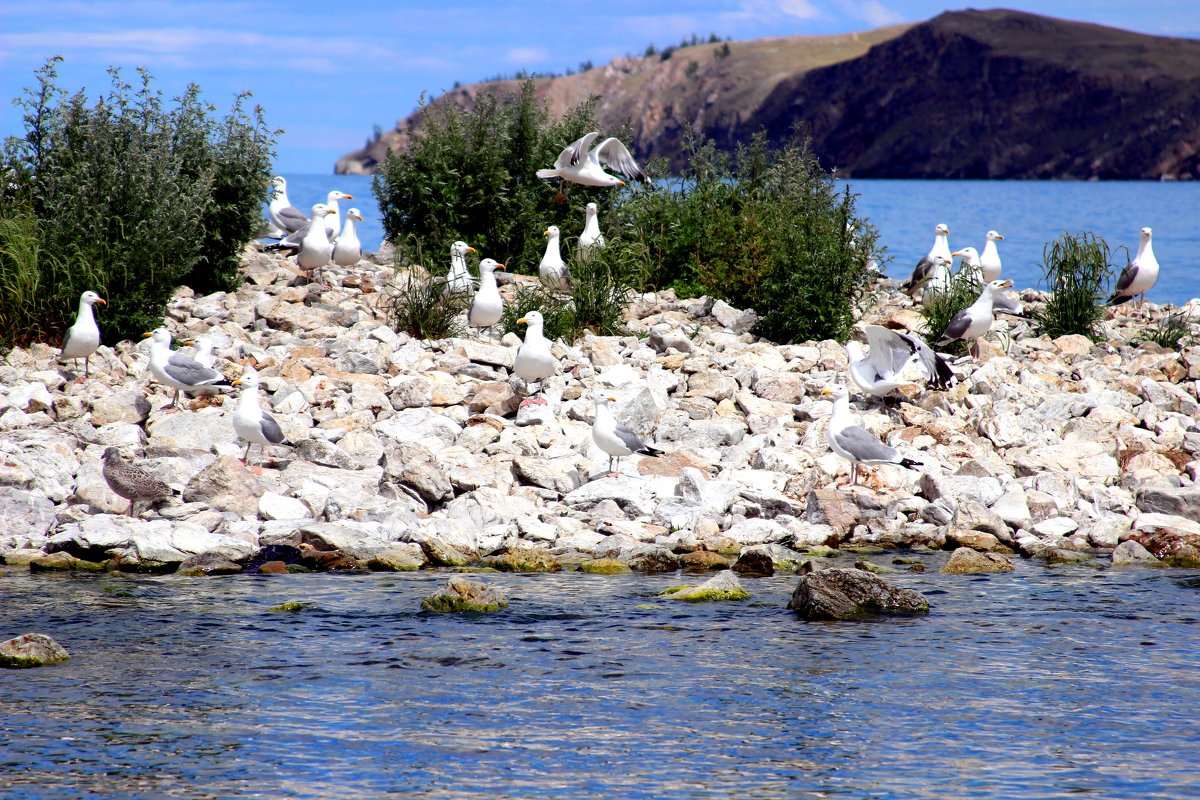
1028,213
1049,682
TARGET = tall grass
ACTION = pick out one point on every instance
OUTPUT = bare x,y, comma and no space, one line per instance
938,308
1076,269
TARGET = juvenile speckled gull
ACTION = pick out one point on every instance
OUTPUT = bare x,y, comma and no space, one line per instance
853,442
613,437
486,306
1140,275
177,370
552,270
891,359
250,422
580,165
974,321
83,337
132,483
534,360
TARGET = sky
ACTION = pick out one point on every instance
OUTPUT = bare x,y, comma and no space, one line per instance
328,73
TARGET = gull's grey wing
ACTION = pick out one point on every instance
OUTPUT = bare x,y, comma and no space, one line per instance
576,151
922,272
957,327
890,352
271,429
863,446
612,152
1127,277
189,371
1007,305
628,437
66,340
293,219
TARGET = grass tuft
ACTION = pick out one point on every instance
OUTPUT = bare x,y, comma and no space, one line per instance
1076,268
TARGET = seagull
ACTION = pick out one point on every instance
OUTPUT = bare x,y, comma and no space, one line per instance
974,321
855,443
892,354
459,279
611,435
83,337
132,483
579,165
553,270
591,238
348,250
202,352
534,361
315,248
486,306
179,371
284,216
989,259
335,217
970,261
250,422
1139,275
929,267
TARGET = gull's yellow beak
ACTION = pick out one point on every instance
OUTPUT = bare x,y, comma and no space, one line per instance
328,211
957,253
470,249
1007,283
236,382
620,183
188,342
347,196
522,321
147,333
825,392
545,233
611,399
101,300
999,235
499,266
358,217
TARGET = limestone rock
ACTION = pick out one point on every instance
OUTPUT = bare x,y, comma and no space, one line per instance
964,561
1181,502
1131,551
462,595
722,586
31,650
226,485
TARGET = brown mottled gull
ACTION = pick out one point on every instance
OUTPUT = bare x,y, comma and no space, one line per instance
132,483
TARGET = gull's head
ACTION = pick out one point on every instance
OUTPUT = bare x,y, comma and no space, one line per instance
603,399
460,248
159,336
551,231
248,378
91,298
590,209
531,319
489,264
942,229
111,454
995,286
334,195
942,260
836,393
970,254
355,213
319,210
994,235
1146,233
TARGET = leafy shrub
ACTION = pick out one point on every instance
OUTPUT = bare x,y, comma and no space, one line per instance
130,198
764,227
470,175
20,280
419,306
1172,332
1076,268
557,315
938,308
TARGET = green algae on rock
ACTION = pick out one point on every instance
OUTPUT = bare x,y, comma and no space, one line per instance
722,586
461,595
31,650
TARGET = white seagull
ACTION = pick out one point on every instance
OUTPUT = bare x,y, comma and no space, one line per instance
348,250
334,220
284,216
534,361
591,238
202,352
579,165
612,437
180,372
890,360
975,320
970,261
931,270
83,337
459,280
552,270
315,247
486,306
989,259
855,443
250,422
1139,275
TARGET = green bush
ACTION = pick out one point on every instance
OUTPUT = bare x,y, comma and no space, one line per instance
130,199
764,228
938,308
1172,332
419,306
558,317
1076,269
470,175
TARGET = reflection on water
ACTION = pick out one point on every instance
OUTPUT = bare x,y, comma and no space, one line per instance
1046,682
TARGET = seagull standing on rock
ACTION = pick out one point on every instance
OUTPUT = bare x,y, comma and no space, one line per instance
613,437
534,360
180,372
82,338
459,280
132,483
250,422
989,259
315,247
284,217
1140,275
348,250
974,321
933,269
855,443
487,306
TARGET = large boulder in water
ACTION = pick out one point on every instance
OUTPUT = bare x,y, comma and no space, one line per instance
461,594
852,594
31,650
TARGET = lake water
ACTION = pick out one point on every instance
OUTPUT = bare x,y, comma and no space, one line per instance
1049,682
1028,213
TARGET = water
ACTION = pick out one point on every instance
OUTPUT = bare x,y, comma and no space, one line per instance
1028,213
1043,683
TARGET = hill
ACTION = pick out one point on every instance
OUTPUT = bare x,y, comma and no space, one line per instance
968,94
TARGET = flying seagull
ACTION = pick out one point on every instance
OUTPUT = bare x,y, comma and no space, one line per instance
578,164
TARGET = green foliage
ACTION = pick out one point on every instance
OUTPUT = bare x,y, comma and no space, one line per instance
558,317
20,280
1076,268
765,228
471,175
131,198
419,306
938,308
1172,332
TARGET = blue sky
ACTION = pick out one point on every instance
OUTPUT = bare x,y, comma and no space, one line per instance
326,73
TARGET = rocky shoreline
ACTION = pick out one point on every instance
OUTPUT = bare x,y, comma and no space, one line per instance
416,454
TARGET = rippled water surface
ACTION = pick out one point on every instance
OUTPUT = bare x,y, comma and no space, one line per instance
1048,682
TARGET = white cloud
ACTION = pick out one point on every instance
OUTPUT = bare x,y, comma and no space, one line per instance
873,12
801,9
525,55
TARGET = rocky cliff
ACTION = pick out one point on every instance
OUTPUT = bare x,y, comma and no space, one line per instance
968,94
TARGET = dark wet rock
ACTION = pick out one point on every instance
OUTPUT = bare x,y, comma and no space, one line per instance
722,586
326,560
1172,548
209,564
851,594
522,558
463,595
31,650
754,563
63,562
703,561
653,558
1180,502
273,568
964,561
283,553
